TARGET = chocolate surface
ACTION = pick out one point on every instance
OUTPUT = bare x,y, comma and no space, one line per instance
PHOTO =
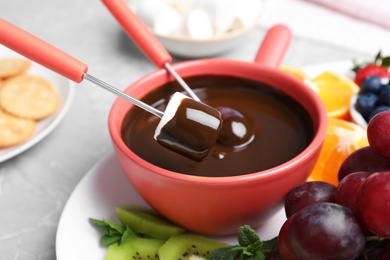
278,126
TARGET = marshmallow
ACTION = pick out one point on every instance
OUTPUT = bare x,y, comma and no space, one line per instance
224,18
198,19
168,22
188,127
199,25
222,13
248,11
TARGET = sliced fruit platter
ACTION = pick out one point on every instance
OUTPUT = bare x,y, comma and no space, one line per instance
143,234
341,212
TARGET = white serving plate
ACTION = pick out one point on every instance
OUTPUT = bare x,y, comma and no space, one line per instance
105,186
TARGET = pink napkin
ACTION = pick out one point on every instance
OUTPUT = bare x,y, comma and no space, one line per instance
373,11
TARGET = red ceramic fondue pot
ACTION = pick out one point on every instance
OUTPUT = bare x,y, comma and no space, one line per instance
209,205
215,205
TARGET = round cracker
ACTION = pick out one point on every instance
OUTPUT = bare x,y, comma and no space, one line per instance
14,130
13,67
27,96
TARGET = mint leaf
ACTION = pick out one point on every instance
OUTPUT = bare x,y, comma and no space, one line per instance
250,247
97,222
107,240
114,232
114,226
226,253
247,236
251,250
259,256
128,234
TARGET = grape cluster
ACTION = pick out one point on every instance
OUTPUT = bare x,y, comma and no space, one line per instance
373,97
350,220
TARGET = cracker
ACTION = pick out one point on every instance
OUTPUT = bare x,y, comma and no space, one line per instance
14,130
13,67
27,96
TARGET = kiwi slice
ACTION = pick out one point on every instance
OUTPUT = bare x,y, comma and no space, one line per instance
188,246
135,248
145,222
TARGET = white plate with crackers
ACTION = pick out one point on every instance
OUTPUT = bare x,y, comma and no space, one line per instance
33,101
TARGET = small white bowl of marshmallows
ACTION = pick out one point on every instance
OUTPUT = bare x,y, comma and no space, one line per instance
198,28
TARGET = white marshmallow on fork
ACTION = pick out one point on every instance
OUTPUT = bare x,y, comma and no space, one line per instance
188,127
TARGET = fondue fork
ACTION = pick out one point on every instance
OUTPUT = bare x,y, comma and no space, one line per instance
58,61
145,40
201,118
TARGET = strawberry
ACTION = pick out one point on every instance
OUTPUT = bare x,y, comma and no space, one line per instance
379,67
371,70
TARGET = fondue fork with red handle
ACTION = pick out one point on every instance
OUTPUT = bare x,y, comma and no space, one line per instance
58,61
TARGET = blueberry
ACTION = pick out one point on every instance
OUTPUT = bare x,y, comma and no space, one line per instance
365,103
371,84
377,110
384,96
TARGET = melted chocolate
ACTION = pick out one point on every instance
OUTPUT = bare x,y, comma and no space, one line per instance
281,128
237,131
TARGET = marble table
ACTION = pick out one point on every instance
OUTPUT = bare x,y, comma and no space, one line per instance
35,185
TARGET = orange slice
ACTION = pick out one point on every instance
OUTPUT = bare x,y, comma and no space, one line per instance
335,91
342,138
294,71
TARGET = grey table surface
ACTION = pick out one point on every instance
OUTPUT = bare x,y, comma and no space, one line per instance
35,185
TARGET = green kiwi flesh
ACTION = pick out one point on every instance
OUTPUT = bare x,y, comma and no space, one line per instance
145,222
135,249
188,247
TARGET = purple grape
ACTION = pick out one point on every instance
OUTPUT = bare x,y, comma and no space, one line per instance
346,193
284,246
307,194
326,231
373,204
363,160
378,134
